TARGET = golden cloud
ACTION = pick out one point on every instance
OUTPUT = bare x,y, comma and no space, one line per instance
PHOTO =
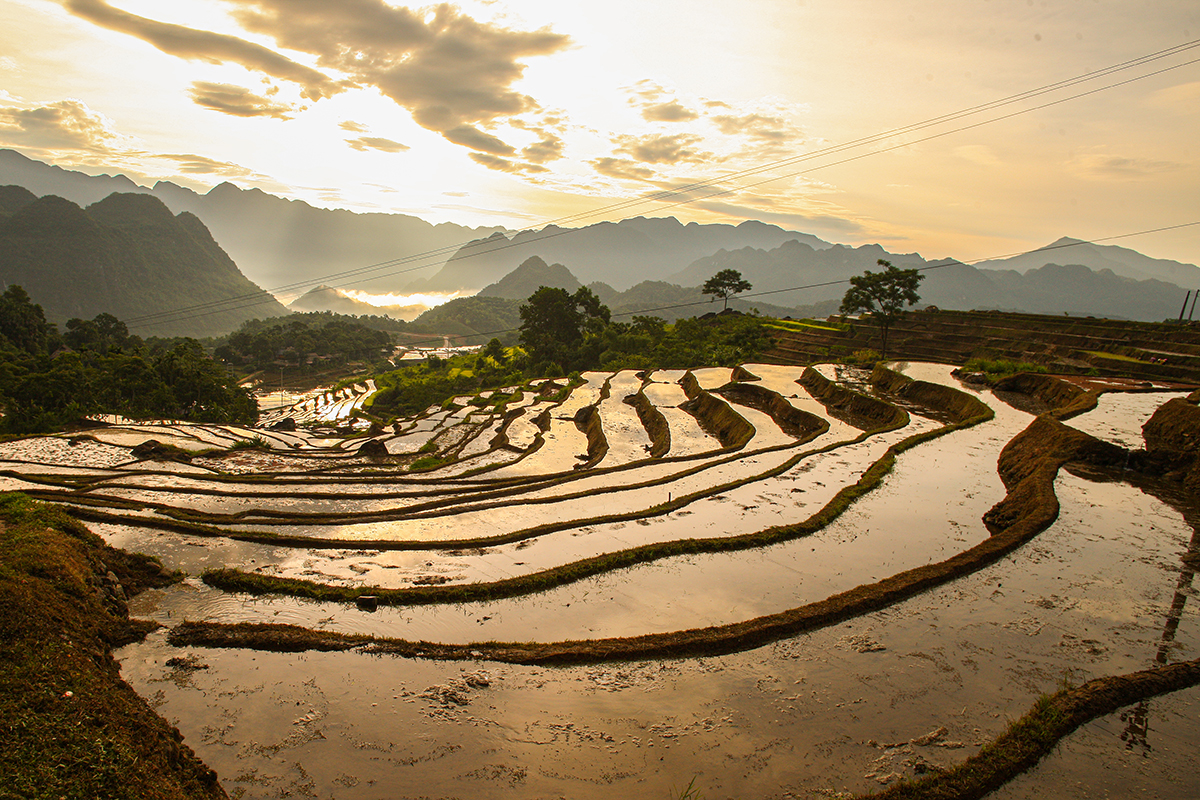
237,101
365,143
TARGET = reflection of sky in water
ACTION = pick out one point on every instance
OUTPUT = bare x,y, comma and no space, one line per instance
1090,596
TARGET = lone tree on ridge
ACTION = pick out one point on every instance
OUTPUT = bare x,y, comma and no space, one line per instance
882,295
725,284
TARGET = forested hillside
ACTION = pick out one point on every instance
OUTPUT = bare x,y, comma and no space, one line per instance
126,255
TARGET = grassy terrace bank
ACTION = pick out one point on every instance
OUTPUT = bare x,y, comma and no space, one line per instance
1034,735
69,726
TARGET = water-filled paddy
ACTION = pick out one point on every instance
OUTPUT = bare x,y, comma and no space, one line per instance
844,708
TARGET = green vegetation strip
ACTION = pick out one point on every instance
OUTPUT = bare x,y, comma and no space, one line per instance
1034,735
69,726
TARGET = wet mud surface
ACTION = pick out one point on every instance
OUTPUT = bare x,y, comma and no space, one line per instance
847,708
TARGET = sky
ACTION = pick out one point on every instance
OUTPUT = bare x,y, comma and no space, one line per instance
523,112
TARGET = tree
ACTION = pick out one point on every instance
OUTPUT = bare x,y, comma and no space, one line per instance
882,295
555,325
725,284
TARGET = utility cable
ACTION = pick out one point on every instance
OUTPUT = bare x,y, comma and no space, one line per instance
163,317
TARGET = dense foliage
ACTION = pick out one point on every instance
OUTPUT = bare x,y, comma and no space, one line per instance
572,332
410,390
48,381
303,340
477,319
882,295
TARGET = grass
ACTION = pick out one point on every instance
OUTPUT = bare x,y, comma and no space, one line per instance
253,443
69,726
1115,356
995,369
801,325
1028,739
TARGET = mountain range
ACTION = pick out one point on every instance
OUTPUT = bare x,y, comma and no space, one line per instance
126,255
654,262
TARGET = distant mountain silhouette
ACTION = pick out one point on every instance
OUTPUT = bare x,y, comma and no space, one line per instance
127,255
526,279
277,242
1121,260
648,298
618,253
1049,289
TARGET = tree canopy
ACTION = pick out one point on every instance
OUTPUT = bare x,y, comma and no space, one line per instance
45,386
725,284
560,330
882,295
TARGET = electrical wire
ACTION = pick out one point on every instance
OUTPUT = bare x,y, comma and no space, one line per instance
236,303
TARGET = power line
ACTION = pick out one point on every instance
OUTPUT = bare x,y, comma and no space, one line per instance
941,264
214,307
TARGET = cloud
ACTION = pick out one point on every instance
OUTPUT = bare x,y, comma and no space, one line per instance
1183,98
472,137
237,101
505,165
756,126
364,143
215,48
352,126
452,72
622,168
549,149
668,112
1103,166
654,149
64,125
202,165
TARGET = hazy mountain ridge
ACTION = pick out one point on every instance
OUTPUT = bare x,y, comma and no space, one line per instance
293,240
620,254
1047,289
277,242
526,279
1121,260
127,255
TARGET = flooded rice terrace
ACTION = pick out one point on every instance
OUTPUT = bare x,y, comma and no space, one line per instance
598,516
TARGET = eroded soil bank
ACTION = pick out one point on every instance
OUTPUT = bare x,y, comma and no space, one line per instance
69,725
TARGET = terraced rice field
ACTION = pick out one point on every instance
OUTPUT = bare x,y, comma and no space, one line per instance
624,585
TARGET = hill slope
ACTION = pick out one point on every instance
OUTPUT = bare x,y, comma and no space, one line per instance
1047,289
126,255
275,241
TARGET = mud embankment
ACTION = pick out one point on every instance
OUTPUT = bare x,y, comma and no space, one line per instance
69,725
1172,437
859,410
714,416
654,422
587,420
1061,399
1033,736
1028,466
793,421
955,405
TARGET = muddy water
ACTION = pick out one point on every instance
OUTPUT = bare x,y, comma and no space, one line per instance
841,709
835,710
1146,750
1119,416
